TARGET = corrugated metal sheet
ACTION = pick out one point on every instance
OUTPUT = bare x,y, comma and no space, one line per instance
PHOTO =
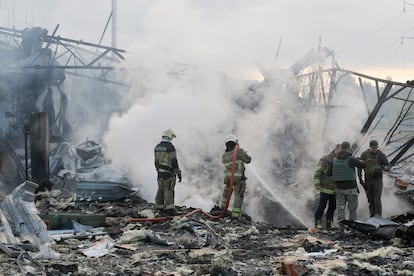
19,219
102,191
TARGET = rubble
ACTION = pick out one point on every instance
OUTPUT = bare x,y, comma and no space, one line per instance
197,245
380,227
92,221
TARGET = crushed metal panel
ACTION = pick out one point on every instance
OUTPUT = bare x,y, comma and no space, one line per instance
83,167
102,191
19,217
104,183
375,226
379,221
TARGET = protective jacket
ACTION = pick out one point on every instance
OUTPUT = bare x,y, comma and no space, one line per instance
239,184
227,159
379,159
342,170
166,162
321,180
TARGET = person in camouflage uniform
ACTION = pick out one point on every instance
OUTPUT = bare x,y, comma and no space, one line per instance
376,162
239,182
326,187
167,168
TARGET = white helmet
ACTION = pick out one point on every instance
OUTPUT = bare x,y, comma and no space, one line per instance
231,138
169,133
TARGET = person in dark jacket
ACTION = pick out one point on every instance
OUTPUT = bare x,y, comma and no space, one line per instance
167,168
326,187
376,162
343,173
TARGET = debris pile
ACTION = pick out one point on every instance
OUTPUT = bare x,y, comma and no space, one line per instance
196,245
93,222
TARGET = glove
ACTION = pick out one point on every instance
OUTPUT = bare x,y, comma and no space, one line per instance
179,177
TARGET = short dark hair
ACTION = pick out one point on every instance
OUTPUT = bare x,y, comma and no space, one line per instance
345,145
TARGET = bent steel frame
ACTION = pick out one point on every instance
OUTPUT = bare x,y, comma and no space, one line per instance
319,86
71,54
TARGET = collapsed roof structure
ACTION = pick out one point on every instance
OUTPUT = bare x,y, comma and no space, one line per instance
37,119
36,65
39,113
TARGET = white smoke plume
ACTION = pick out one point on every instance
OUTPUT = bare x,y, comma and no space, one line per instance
189,74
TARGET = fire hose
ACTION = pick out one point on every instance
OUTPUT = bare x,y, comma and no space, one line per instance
223,211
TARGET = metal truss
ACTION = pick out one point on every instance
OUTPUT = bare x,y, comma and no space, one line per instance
72,55
390,98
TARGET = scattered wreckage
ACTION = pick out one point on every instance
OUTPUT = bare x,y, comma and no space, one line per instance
67,211
185,245
57,232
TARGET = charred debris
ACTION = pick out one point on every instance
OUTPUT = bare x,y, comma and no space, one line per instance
66,211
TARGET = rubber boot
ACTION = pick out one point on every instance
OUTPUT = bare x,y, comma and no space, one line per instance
329,224
318,224
171,212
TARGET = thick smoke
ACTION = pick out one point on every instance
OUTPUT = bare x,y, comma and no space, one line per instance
189,74
202,106
193,69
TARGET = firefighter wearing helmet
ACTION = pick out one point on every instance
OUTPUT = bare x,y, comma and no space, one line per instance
168,170
239,182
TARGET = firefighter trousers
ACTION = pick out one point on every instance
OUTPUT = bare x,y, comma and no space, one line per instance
164,199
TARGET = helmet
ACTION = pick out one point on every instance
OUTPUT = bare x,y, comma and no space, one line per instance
373,144
231,138
169,133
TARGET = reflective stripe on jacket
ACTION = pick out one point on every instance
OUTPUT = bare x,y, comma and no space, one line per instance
227,159
165,161
321,179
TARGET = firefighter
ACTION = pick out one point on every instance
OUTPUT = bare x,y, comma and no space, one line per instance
239,182
326,187
168,170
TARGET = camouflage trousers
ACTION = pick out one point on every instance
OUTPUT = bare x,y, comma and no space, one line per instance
239,187
164,199
343,198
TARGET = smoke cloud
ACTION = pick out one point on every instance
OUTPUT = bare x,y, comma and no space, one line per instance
194,75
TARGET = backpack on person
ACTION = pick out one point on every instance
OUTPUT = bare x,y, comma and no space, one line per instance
372,168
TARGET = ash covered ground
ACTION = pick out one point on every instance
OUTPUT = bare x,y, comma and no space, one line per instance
196,245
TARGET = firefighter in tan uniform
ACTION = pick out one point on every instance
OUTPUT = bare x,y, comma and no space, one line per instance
168,170
239,183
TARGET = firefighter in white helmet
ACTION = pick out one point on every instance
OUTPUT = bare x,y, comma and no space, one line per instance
168,170
239,183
